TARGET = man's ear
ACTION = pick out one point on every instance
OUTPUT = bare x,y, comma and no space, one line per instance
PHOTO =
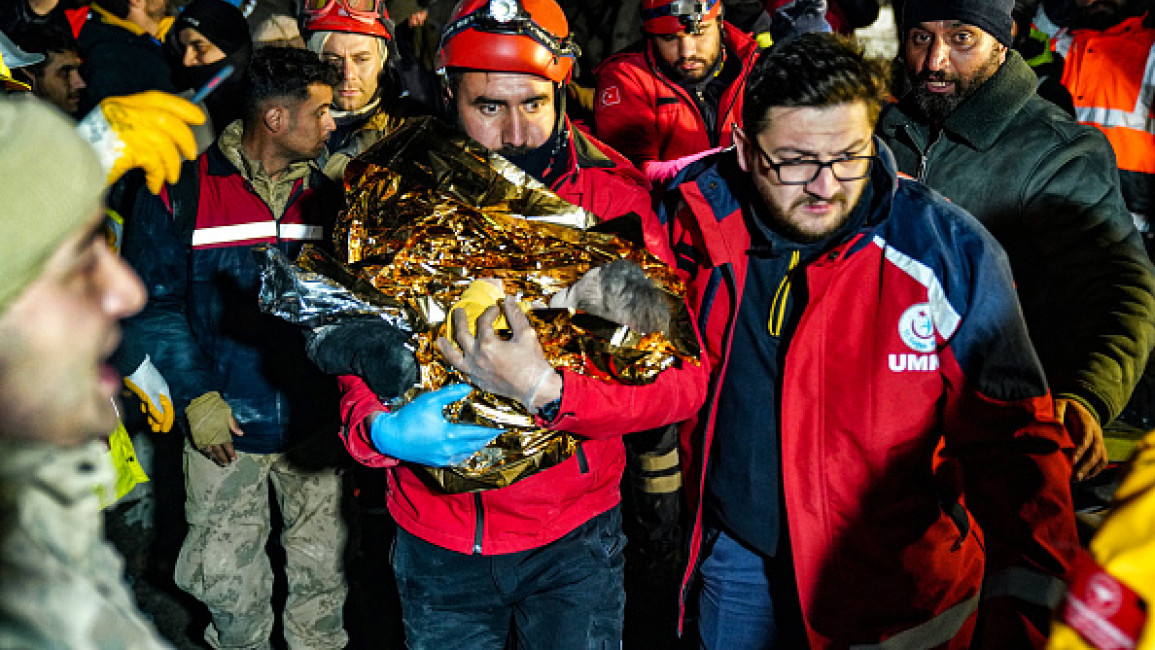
741,147
275,118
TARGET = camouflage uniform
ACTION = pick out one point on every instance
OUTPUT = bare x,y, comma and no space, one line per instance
61,584
223,561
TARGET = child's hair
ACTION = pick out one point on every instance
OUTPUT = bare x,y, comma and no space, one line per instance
622,293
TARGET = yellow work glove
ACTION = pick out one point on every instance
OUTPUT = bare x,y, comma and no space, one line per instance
155,402
149,130
1104,605
477,297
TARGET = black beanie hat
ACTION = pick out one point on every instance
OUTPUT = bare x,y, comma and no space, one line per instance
220,22
991,16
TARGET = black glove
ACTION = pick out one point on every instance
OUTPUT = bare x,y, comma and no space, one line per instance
367,347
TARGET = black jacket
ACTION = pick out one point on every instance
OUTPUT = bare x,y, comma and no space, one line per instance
1047,188
118,62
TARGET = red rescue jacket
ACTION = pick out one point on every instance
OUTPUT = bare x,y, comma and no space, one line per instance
544,507
925,477
646,116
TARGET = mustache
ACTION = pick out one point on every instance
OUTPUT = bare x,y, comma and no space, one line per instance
935,75
682,61
511,150
809,200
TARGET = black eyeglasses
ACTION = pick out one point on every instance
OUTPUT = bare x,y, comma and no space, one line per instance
803,172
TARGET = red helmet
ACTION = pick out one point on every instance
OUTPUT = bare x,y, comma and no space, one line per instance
355,16
526,36
673,16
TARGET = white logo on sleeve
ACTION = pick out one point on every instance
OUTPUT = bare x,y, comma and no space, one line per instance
916,329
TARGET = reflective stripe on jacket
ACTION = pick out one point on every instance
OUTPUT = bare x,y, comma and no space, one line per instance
202,324
924,474
1111,77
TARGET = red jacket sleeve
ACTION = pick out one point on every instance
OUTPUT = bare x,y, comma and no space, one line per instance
624,111
594,408
357,403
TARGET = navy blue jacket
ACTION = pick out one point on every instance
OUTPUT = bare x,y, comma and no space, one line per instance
202,325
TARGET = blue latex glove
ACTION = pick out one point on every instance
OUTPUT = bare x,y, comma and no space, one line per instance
419,433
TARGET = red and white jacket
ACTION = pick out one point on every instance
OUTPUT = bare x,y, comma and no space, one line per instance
924,474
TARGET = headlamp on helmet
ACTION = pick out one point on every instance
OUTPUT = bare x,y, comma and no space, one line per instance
673,16
509,36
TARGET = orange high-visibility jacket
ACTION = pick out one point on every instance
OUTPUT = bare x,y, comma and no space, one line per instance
1111,77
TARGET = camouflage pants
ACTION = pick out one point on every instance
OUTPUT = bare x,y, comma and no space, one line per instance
223,561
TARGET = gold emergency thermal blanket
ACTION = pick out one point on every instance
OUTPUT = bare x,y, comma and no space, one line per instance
429,211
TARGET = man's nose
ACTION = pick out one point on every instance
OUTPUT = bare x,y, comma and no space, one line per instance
687,46
513,130
937,56
123,293
824,185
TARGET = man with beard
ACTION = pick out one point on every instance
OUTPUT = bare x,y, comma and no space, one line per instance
973,128
537,563
873,375
677,91
64,293
259,414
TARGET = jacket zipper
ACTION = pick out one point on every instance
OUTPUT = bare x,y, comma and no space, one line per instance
683,95
727,271
924,155
479,523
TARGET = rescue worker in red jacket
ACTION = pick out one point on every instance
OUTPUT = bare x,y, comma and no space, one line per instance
538,563
678,91
880,458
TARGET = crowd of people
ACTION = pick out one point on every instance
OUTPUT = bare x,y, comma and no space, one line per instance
921,289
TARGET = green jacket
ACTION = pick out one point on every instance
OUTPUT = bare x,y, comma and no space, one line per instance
1048,190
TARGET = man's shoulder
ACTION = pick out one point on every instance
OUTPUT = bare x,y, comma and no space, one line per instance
599,159
1048,138
631,56
927,220
712,182
98,33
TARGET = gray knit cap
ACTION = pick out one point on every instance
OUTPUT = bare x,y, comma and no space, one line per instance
991,16
51,185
